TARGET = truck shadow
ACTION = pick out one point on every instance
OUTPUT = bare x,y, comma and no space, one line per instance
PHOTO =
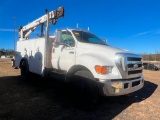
40,98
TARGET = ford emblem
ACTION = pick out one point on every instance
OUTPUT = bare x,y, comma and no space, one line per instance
135,66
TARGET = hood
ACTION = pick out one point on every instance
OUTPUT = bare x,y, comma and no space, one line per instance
100,49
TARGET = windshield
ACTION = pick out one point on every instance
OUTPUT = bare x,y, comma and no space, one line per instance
87,37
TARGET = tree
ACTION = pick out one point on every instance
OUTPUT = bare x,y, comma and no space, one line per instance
6,52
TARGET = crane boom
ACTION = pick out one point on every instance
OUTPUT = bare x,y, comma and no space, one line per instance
25,31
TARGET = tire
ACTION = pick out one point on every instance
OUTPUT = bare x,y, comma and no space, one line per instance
85,88
24,70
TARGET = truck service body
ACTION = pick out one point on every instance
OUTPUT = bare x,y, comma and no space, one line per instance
115,71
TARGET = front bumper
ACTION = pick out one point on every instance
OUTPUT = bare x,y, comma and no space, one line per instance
120,86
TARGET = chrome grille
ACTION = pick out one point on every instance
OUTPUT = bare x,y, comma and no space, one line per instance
129,65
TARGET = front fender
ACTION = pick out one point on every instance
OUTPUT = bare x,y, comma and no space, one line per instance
91,60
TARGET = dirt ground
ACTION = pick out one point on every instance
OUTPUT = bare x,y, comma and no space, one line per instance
46,99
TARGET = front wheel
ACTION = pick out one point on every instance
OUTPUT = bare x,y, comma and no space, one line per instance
85,88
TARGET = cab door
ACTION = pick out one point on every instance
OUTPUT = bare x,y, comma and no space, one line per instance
63,51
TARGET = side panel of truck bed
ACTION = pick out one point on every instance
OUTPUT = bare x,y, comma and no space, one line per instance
33,50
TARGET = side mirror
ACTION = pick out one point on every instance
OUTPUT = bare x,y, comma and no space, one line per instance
59,41
58,36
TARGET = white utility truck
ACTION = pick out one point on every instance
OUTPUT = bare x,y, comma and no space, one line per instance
82,58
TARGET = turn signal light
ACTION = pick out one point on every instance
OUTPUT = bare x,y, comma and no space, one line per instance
101,69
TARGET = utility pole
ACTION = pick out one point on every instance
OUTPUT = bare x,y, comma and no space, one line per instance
14,20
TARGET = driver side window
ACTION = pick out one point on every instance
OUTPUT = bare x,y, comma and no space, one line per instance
66,37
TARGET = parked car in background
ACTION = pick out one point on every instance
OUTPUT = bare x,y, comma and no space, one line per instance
151,66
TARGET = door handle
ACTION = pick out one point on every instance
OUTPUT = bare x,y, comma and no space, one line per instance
71,52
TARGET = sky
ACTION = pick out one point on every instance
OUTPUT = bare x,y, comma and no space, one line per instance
128,24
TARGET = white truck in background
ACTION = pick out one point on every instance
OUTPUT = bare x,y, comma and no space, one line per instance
84,59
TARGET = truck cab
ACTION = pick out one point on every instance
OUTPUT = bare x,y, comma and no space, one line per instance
117,71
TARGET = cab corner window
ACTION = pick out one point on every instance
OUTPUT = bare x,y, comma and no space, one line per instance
66,37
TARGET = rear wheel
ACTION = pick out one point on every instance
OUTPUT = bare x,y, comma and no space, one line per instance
24,70
85,88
